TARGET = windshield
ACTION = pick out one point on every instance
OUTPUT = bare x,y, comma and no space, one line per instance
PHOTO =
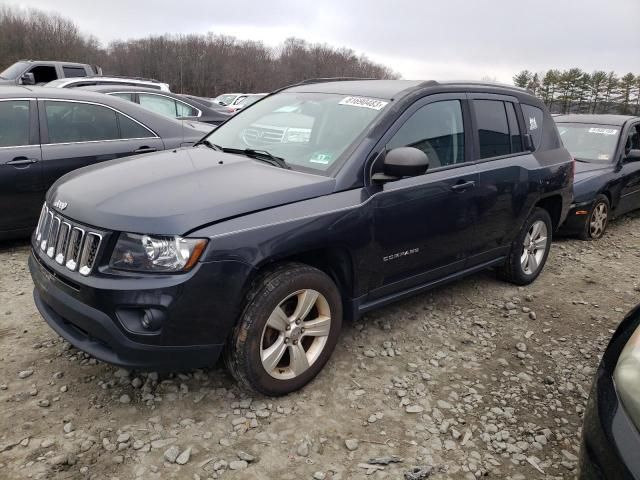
310,131
590,142
14,71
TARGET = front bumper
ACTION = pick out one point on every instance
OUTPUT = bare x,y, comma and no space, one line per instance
575,223
198,310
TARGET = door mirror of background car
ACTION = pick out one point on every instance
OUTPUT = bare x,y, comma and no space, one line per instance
402,162
633,155
28,79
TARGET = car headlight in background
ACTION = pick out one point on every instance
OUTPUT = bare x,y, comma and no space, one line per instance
156,253
627,377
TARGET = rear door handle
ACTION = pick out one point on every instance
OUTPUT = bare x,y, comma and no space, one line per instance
21,162
145,149
461,187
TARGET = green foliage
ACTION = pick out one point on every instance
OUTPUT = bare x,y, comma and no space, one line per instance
576,91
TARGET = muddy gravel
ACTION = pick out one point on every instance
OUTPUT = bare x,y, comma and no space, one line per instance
475,379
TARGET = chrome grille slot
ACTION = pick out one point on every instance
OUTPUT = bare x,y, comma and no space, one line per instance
89,252
63,242
53,236
70,244
43,214
74,248
46,229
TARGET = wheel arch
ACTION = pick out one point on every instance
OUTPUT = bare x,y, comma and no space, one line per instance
553,205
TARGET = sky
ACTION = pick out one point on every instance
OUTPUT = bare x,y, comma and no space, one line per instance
419,39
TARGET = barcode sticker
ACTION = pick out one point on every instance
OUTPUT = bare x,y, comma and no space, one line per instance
363,102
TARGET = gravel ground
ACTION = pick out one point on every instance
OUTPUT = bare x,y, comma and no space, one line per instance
479,378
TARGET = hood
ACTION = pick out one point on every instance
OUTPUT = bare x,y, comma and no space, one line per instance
176,191
585,171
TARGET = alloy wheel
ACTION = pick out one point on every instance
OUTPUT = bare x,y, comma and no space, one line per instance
598,221
534,247
295,334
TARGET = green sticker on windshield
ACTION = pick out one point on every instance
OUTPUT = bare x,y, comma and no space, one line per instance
322,158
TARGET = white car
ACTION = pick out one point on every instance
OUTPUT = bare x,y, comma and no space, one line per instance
105,80
226,98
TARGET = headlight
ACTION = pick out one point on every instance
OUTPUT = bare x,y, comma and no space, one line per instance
627,377
297,135
155,253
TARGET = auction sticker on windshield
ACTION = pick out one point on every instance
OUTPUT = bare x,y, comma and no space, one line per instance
603,131
363,102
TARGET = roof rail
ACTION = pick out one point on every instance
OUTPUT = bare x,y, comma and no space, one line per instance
130,77
310,81
484,83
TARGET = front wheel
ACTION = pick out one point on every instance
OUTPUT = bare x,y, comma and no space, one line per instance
529,250
288,330
597,220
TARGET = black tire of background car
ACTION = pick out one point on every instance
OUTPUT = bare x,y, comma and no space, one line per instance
512,270
242,355
586,232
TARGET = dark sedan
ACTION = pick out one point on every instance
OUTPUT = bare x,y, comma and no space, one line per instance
47,132
607,180
173,105
611,431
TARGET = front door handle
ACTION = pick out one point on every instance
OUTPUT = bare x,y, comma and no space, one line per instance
145,149
21,162
461,187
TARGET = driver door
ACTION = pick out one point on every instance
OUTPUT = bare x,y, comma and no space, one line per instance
424,225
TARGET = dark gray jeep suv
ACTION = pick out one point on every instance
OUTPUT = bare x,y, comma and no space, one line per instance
319,202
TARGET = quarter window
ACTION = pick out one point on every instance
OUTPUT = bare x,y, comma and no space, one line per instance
184,110
131,129
533,119
438,130
74,72
14,118
80,122
493,129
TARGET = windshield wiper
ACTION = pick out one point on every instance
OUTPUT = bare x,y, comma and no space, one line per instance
581,160
261,155
207,143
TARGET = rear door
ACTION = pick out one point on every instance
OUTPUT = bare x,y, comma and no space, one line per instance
21,184
76,134
503,166
630,173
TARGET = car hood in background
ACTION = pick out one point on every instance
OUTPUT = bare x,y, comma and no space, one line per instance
585,171
176,191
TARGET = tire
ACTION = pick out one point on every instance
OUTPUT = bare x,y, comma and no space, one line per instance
274,326
518,268
597,220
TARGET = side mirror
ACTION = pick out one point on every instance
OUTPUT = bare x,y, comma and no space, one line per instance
633,155
402,162
28,79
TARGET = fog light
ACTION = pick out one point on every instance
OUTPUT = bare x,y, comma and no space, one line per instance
152,319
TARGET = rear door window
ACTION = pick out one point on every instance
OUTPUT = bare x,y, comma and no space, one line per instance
130,129
514,129
14,121
159,104
69,122
123,95
493,128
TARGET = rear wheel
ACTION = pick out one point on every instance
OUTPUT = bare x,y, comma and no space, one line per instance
530,249
288,330
597,220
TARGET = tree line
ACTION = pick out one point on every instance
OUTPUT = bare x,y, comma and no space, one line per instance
577,91
199,64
